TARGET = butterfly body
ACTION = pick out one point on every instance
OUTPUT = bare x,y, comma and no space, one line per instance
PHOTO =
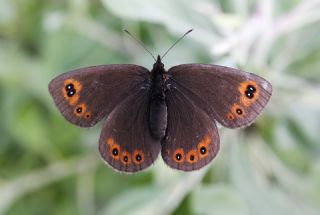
170,112
158,107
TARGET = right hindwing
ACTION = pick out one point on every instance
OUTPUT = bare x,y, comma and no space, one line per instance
192,138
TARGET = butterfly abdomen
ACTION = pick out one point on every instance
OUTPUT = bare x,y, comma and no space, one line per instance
158,118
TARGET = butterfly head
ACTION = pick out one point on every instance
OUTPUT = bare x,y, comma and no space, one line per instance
158,65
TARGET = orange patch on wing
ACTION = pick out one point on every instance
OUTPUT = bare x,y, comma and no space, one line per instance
192,156
110,141
245,101
72,100
138,157
207,139
243,88
126,158
178,155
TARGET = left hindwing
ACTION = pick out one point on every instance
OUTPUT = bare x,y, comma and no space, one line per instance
232,97
125,141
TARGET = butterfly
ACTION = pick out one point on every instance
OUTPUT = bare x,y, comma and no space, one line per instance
170,112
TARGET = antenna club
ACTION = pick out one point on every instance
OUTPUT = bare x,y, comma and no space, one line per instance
189,31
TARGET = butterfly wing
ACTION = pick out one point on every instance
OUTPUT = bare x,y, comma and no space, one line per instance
192,138
84,96
232,97
125,142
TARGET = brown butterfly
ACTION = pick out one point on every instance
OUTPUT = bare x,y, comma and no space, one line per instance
173,111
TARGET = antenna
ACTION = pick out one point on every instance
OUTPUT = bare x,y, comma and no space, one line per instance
185,34
139,42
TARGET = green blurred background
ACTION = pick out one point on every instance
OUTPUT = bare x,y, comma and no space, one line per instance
48,166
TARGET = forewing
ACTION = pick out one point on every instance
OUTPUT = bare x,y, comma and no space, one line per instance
84,96
125,142
232,97
192,139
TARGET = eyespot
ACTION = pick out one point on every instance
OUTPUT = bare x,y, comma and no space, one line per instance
126,157
70,93
251,88
203,150
237,110
88,115
71,90
69,87
115,151
138,157
203,147
249,92
178,156
80,109
192,156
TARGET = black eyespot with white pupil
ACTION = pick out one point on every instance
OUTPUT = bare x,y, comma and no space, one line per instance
191,157
69,87
138,157
178,156
79,110
239,111
203,150
70,93
115,152
250,91
125,158
70,90
251,88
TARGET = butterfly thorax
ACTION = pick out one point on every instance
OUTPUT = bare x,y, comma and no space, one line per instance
158,107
